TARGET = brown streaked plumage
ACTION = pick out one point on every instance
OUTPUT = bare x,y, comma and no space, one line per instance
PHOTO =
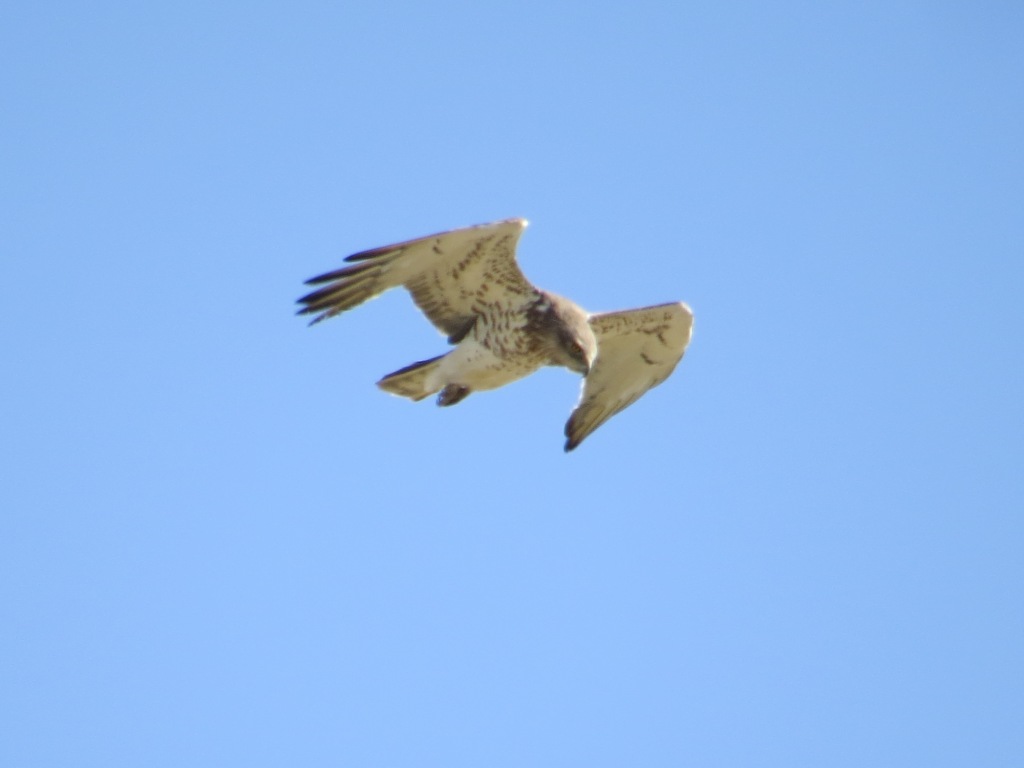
468,284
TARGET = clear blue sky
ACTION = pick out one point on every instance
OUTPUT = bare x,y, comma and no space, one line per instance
221,545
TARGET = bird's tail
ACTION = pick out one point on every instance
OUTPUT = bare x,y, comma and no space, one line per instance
411,381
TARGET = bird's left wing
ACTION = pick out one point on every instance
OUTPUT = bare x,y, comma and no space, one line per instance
452,276
637,349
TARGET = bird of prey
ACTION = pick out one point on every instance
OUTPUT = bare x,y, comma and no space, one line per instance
468,284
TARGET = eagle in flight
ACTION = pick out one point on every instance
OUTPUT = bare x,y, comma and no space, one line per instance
468,284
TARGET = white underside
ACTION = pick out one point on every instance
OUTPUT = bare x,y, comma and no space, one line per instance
475,366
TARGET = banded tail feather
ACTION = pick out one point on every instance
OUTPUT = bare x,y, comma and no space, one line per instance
411,381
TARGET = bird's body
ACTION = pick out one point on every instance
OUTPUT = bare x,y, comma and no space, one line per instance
468,284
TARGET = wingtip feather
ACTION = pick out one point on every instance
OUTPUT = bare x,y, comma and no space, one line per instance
572,434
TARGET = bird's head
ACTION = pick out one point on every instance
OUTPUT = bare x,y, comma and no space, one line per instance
571,338
581,350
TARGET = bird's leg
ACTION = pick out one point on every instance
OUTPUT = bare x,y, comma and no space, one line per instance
452,393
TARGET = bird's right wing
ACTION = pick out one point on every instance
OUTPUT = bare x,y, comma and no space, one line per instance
451,276
637,349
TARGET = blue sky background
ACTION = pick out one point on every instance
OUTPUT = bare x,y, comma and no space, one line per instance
221,545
